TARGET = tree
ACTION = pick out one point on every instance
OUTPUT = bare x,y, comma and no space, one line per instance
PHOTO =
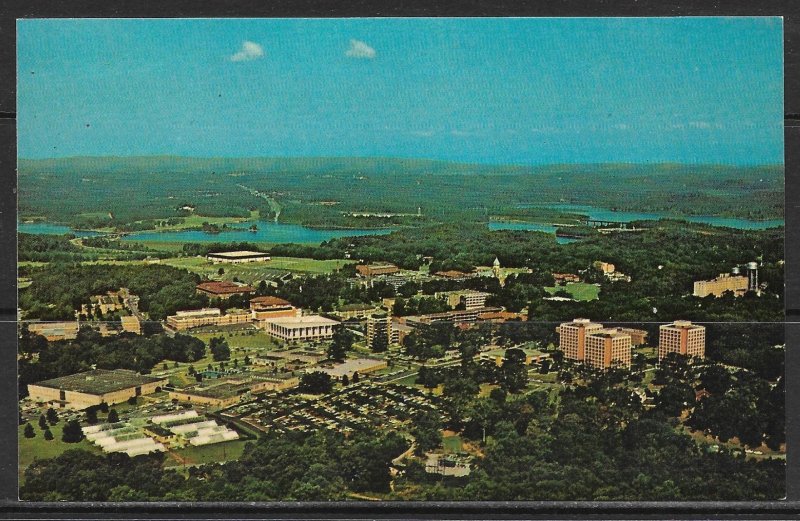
132,400
91,416
29,432
427,432
72,432
356,378
342,342
113,417
52,416
221,271
316,382
42,422
48,435
345,380
515,374
219,349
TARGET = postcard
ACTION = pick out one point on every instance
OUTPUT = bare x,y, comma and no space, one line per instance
408,259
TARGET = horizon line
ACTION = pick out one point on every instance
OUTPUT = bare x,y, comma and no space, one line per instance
412,158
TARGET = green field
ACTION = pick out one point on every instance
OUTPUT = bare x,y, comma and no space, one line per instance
255,271
578,290
31,449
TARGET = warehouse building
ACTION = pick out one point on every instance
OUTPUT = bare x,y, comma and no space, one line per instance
82,390
54,331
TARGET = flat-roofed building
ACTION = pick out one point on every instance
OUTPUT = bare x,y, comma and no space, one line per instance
263,308
230,391
183,320
682,337
572,337
372,270
306,327
53,331
737,284
82,390
455,275
357,311
566,277
606,348
350,367
469,299
456,317
223,289
238,257
131,324
379,326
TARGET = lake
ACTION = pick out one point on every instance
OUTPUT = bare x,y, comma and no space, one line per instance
530,227
602,214
268,231
40,228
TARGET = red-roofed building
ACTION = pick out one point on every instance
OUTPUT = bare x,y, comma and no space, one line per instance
263,308
223,289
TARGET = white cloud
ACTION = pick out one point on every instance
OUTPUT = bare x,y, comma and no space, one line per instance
359,49
249,51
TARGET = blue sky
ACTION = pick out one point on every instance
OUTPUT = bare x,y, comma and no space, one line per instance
529,91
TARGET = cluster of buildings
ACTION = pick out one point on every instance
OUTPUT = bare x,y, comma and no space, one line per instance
736,282
600,347
276,316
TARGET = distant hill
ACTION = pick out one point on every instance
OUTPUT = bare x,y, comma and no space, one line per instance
79,190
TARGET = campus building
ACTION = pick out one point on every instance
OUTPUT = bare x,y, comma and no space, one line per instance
230,392
131,324
53,331
681,337
572,337
307,327
238,257
223,289
379,325
607,348
372,270
82,390
350,367
183,320
263,308
468,299
737,284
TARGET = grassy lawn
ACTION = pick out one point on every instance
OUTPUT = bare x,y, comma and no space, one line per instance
31,449
452,443
256,271
219,452
578,290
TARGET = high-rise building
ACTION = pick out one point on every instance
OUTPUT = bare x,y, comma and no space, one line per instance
606,348
682,337
572,337
379,328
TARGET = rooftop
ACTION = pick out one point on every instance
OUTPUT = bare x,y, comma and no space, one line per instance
99,381
223,287
304,321
269,301
238,254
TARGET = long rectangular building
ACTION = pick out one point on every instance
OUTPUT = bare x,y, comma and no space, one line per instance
82,390
238,257
183,320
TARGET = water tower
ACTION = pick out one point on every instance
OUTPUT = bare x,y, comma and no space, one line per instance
752,276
